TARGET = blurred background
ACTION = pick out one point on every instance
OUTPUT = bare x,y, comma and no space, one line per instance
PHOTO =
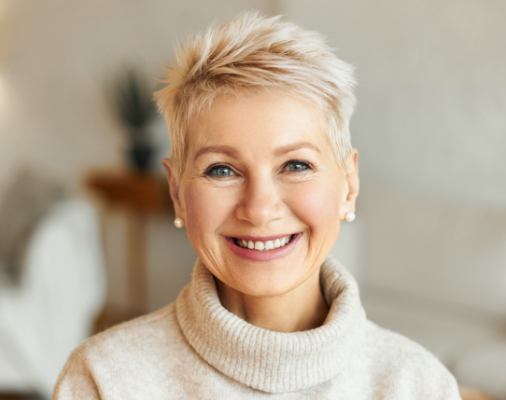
86,235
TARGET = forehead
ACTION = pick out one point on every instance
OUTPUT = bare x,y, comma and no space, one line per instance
258,121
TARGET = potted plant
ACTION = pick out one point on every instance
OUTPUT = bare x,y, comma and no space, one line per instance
131,101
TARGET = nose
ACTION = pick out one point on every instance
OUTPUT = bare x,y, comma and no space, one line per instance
260,201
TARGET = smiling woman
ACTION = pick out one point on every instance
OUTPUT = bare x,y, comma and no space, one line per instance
262,174
277,179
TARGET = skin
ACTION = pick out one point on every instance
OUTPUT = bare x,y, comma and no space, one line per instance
259,192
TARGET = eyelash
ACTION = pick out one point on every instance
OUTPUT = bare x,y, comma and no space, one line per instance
307,166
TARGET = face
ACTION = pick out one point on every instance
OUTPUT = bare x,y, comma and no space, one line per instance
260,171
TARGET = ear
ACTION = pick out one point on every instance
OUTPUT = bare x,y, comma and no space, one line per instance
352,178
173,182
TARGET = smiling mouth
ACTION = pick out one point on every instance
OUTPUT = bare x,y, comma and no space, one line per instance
266,245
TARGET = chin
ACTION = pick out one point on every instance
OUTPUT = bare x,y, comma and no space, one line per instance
269,283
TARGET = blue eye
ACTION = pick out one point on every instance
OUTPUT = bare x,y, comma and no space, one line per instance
219,171
297,166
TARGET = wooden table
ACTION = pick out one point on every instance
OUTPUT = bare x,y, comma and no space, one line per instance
139,196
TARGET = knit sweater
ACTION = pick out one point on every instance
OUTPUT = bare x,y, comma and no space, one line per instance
194,348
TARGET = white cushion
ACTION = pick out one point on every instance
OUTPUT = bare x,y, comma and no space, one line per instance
62,289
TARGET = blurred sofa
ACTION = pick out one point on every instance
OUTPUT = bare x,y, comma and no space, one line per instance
434,269
51,310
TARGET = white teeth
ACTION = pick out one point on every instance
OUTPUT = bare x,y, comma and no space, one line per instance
262,246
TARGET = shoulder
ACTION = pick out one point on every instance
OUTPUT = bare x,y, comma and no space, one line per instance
400,365
147,348
148,332
142,340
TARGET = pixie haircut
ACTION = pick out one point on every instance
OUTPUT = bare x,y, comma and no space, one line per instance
251,53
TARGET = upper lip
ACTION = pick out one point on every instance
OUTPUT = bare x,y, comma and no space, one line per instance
262,238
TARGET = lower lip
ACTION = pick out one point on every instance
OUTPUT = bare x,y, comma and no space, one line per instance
266,255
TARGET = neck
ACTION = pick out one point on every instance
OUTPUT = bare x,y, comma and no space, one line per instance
301,309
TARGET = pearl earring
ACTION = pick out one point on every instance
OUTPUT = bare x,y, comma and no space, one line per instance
349,216
178,223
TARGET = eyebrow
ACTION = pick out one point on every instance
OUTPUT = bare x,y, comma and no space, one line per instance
296,146
228,150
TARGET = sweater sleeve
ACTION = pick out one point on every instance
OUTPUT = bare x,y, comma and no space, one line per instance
76,381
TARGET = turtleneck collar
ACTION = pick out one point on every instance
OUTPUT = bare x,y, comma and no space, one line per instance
266,360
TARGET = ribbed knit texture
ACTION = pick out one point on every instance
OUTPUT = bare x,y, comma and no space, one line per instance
194,348
271,361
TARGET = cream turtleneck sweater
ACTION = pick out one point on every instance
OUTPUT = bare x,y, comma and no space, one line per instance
194,348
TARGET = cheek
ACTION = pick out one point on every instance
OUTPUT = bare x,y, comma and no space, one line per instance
204,211
319,205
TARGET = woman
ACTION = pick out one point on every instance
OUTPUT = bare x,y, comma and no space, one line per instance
261,174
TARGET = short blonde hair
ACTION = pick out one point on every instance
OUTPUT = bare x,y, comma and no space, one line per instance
252,52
